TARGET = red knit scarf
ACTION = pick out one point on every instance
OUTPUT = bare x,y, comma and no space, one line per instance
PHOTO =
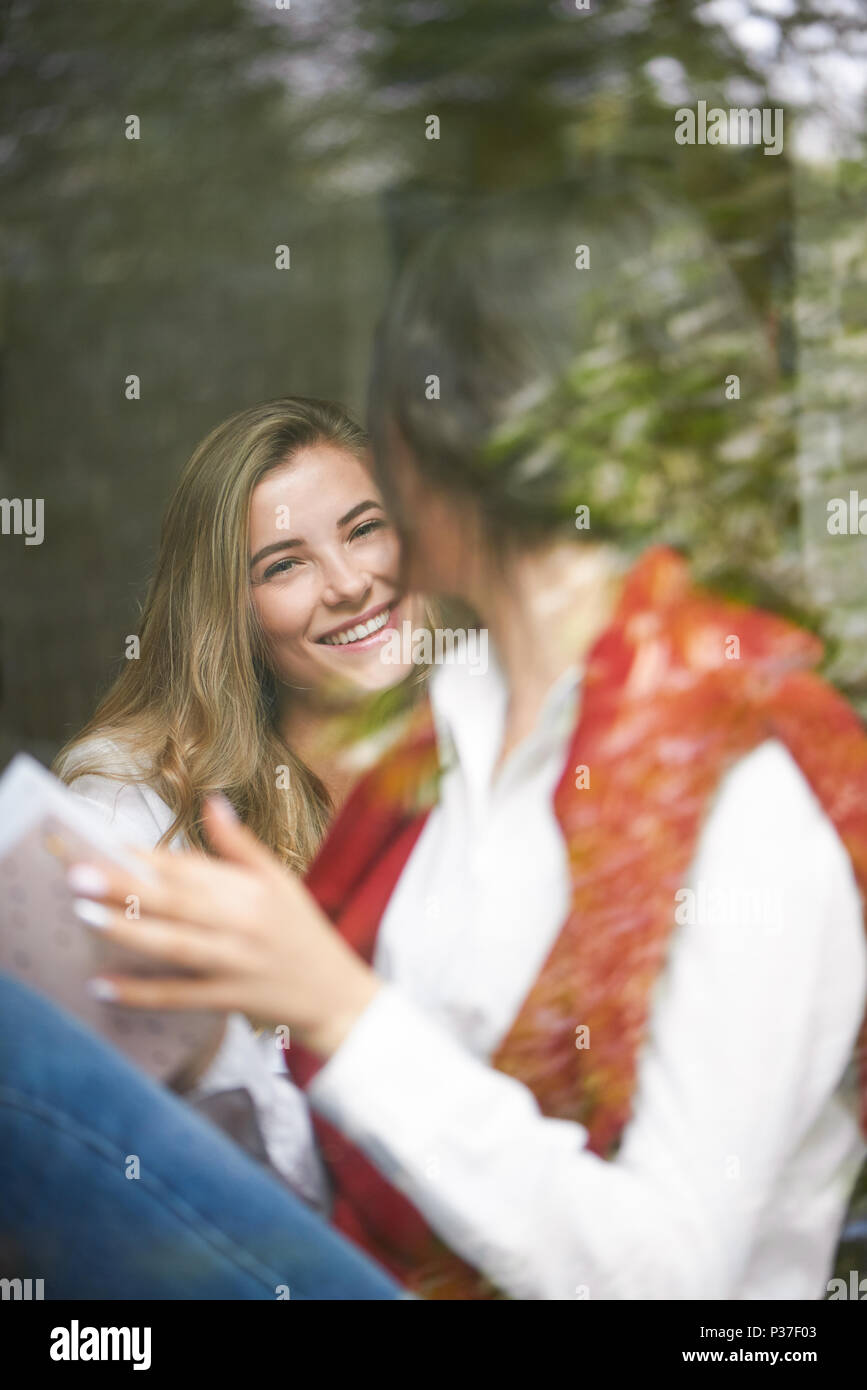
669,702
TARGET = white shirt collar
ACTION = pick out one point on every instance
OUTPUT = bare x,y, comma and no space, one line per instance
469,711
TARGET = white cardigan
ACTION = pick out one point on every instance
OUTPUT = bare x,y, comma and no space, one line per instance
244,1060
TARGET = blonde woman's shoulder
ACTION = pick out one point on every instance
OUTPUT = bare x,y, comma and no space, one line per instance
113,781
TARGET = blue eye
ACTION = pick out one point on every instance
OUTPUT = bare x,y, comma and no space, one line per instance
367,527
280,567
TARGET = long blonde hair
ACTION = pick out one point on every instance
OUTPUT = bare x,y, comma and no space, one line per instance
195,714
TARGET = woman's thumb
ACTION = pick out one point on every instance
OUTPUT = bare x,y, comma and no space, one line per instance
231,839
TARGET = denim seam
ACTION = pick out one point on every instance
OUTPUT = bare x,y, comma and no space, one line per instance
177,1204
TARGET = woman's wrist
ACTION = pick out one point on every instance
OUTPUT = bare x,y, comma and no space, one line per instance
357,992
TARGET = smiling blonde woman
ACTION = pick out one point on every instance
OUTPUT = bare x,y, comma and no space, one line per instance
275,551
275,591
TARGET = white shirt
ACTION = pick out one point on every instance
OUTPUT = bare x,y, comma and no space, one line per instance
734,1173
243,1059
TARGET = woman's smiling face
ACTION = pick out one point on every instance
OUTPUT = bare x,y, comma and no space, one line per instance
324,566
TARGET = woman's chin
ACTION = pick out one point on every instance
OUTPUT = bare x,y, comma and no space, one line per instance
371,676
343,678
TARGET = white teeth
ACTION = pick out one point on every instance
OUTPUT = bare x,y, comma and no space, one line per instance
355,634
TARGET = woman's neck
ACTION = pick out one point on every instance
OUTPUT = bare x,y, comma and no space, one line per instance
311,733
544,610
319,736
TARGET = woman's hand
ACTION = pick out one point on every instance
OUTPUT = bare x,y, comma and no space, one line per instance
247,927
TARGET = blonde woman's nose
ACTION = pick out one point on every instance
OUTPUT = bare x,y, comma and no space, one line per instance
344,582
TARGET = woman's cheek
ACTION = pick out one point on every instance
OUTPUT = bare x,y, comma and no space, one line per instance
282,616
385,559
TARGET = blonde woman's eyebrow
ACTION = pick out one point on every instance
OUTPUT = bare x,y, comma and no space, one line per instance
270,550
358,509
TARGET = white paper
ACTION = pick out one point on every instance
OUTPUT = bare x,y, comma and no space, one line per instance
44,944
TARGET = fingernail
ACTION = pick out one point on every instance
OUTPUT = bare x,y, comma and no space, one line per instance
101,989
223,806
87,879
94,914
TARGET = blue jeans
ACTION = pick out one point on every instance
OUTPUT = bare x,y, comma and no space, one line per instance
202,1221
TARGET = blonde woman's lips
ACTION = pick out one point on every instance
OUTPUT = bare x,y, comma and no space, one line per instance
367,630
